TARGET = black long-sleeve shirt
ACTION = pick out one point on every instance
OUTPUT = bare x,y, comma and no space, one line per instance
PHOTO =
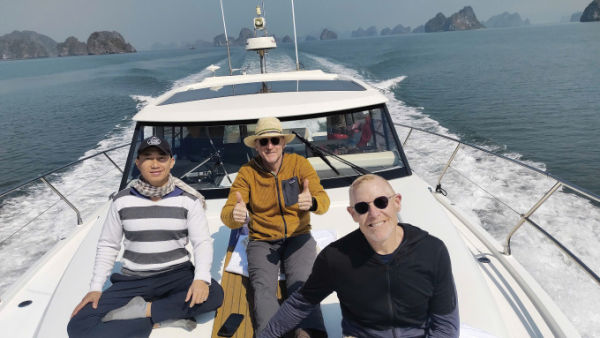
412,293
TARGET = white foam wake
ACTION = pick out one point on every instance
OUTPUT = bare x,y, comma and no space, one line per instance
388,85
34,218
570,218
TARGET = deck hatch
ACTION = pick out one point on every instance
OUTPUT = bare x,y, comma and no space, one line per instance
263,87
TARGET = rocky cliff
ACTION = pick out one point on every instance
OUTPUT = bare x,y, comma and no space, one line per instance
326,34
464,19
29,44
591,12
506,20
245,33
419,29
219,40
399,29
106,42
436,24
25,45
361,33
71,46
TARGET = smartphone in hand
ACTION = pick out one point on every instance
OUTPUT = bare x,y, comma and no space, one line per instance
231,325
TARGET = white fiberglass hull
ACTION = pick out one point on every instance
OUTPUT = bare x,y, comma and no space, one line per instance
491,301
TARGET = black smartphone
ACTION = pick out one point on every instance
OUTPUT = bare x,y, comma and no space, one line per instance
231,325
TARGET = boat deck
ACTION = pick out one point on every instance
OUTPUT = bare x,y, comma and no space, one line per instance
237,293
492,302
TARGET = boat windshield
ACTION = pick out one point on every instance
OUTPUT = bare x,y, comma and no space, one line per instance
208,157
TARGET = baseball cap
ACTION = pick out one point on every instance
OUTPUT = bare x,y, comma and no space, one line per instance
155,141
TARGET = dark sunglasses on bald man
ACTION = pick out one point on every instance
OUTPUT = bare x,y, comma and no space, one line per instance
264,141
380,202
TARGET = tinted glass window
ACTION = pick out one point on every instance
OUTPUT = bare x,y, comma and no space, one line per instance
209,156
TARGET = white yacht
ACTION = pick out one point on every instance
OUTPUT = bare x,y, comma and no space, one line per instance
343,120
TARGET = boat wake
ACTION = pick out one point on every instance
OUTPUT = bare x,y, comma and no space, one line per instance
35,219
494,193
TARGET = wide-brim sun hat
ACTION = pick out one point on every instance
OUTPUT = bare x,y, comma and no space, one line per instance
267,127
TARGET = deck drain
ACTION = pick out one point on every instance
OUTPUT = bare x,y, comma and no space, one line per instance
25,303
483,259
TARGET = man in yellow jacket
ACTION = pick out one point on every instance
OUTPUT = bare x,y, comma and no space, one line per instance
275,193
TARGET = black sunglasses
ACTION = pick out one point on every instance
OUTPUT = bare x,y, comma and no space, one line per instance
380,202
264,141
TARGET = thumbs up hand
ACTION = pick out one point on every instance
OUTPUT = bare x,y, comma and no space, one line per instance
240,213
305,198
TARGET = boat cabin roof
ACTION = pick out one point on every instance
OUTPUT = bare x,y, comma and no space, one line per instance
249,97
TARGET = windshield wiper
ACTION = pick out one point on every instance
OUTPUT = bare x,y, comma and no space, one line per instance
319,151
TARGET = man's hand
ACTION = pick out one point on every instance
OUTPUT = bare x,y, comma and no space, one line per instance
91,297
305,198
197,293
239,211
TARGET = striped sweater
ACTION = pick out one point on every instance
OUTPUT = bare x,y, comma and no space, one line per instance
154,235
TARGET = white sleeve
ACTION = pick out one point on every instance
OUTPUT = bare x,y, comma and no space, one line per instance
201,241
108,248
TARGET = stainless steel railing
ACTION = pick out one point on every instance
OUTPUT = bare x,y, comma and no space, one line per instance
523,217
43,178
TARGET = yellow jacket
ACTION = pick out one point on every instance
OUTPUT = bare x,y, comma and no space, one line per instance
272,200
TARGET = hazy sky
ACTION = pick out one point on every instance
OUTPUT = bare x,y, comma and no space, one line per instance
144,22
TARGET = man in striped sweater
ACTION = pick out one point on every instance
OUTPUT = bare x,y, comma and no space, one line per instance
158,285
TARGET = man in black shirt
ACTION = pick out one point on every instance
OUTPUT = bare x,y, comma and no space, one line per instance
392,279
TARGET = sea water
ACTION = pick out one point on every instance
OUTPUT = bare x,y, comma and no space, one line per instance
527,93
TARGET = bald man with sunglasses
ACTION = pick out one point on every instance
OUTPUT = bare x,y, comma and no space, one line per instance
392,279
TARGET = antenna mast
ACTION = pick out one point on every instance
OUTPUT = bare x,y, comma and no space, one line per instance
226,39
295,38
261,44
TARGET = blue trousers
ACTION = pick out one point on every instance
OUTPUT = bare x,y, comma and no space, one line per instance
166,291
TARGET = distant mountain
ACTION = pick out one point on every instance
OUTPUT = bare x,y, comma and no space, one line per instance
576,17
29,44
419,29
464,19
591,12
310,38
360,32
326,34
399,29
71,47
220,41
106,42
287,39
436,24
506,20
386,31
26,45
245,33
